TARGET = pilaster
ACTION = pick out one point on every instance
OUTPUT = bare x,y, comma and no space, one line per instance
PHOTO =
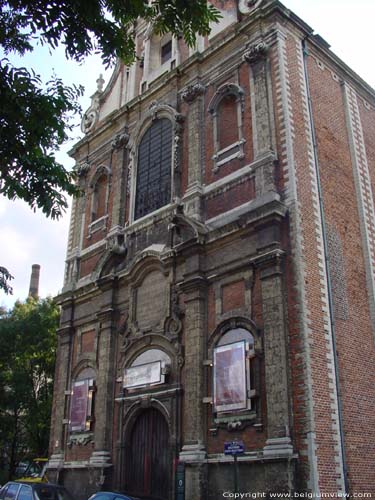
262,117
105,389
61,388
119,160
270,270
194,96
193,451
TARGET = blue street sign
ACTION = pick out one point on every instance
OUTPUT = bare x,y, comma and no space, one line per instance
234,448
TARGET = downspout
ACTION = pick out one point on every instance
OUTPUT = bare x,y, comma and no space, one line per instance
327,264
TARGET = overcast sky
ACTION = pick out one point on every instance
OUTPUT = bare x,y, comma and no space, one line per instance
28,238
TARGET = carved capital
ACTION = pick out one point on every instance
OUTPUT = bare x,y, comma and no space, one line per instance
120,141
256,52
82,168
190,93
80,439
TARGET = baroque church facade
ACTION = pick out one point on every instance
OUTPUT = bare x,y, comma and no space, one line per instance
220,284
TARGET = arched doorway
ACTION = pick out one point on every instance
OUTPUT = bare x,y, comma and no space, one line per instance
148,464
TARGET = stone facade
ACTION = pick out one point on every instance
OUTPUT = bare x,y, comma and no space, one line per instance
266,242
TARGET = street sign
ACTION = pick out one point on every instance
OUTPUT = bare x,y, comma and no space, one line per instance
234,447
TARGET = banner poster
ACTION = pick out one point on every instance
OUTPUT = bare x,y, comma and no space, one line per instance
149,373
230,377
78,408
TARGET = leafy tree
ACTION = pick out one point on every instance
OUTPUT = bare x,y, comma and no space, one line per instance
5,278
34,120
27,361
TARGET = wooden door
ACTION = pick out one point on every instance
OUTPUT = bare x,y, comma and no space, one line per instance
148,465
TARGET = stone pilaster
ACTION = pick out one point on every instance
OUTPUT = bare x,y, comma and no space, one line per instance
104,404
193,95
119,160
275,352
262,117
61,391
193,452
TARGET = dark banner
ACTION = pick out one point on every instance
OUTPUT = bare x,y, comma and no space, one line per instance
78,408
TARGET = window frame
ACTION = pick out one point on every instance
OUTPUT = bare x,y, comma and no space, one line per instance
145,129
89,381
249,384
221,156
100,223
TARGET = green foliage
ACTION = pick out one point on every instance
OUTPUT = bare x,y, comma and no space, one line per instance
33,118
27,364
5,278
34,124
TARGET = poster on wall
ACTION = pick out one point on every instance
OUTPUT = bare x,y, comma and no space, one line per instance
230,388
78,407
149,373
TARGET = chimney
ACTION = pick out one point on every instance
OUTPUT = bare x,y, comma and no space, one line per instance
34,281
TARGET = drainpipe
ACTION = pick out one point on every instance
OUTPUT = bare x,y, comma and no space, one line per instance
327,264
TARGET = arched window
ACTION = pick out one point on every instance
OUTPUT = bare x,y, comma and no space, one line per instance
227,121
99,198
233,381
149,368
226,108
82,401
153,183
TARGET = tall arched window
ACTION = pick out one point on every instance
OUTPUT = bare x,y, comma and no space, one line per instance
226,108
99,201
227,121
82,401
148,369
233,384
153,183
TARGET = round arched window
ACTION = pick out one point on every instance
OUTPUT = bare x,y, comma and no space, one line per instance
232,381
82,401
149,368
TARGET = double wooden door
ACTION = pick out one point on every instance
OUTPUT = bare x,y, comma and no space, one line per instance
148,464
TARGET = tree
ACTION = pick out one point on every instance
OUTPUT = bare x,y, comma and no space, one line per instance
34,120
27,363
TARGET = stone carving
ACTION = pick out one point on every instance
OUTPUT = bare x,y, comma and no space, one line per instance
116,244
92,114
224,90
256,52
246,6
177,142
82,168
153,109
100,83
190,93
88,121
129,174
80,439
173,325
120,141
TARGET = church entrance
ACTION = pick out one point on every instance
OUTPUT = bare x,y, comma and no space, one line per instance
148,464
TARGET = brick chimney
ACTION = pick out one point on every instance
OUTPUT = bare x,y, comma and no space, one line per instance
34,281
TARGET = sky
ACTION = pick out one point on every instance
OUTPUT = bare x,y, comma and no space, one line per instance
27,237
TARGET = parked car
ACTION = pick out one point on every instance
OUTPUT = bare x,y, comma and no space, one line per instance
109,495
26,490
30,468
35,470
